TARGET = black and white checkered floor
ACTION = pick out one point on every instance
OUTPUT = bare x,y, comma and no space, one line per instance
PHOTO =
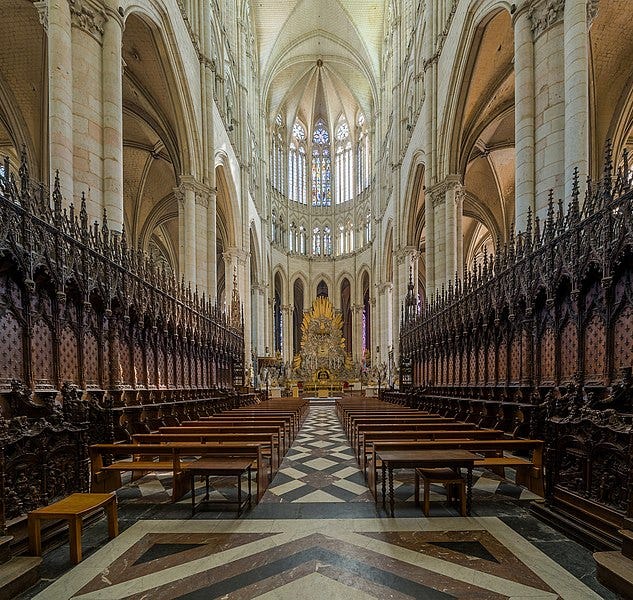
320,467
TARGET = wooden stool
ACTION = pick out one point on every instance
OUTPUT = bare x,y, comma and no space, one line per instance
73,509
451,479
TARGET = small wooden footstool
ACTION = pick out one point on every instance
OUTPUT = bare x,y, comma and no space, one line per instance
73,509
450,478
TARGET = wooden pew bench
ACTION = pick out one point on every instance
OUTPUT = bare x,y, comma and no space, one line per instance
268,441
244,426
529,472
369,437
167,457
369,423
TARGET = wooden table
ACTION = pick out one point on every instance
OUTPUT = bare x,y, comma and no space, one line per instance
72,509
424,459
220,467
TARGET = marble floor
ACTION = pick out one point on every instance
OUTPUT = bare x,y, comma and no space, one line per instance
317,533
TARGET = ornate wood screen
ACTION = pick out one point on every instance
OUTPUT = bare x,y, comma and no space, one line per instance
544,331
92,334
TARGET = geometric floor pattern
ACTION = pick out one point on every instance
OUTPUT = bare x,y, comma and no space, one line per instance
295,556
459,557
321,467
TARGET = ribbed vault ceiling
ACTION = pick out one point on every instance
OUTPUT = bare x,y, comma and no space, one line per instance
346,35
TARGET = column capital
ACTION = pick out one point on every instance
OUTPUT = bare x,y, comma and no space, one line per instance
384,287
240,256
545,14
592,11
42,12
201,192
179,194
89,16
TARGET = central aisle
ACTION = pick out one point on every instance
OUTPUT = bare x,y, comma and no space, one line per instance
320,466
316,535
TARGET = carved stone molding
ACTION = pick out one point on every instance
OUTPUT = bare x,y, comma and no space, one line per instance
240,256
545,14
42,12
87,16
592,11
202,199
179,194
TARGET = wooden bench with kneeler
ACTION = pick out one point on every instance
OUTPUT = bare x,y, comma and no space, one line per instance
269,442
529,472
236,426
107,477
447,433
72,509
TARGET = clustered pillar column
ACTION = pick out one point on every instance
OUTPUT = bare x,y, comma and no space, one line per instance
186,196
549,117
60,95
202,239
576,92
523,116
113,121
212,260
429,244
454,241
439,249
88,21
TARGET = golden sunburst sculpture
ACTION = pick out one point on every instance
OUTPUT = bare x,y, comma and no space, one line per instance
322,354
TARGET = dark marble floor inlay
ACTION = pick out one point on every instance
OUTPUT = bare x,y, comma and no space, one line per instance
162,550
470,548
317,533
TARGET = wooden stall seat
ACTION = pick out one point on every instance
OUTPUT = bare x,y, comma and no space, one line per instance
72,509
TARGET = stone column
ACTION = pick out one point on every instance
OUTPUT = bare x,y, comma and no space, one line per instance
439,249
202,239
549,116
212,259
286,311
113,121
258,328
429,244
186,196
357,342
60,96
576,92
454,213
523,116
88,20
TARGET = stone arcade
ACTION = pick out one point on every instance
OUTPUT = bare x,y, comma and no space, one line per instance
213,210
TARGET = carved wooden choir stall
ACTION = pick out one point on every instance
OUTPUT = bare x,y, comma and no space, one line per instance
538,341
96,344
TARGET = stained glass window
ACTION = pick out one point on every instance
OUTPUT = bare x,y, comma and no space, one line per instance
299,132
302,239
342,132
316,241
321,167
327,241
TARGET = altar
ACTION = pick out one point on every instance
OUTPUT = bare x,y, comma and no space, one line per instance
322,366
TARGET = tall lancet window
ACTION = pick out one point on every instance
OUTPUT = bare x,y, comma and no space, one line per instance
277,159
362,154
297,165
321,166
343,165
